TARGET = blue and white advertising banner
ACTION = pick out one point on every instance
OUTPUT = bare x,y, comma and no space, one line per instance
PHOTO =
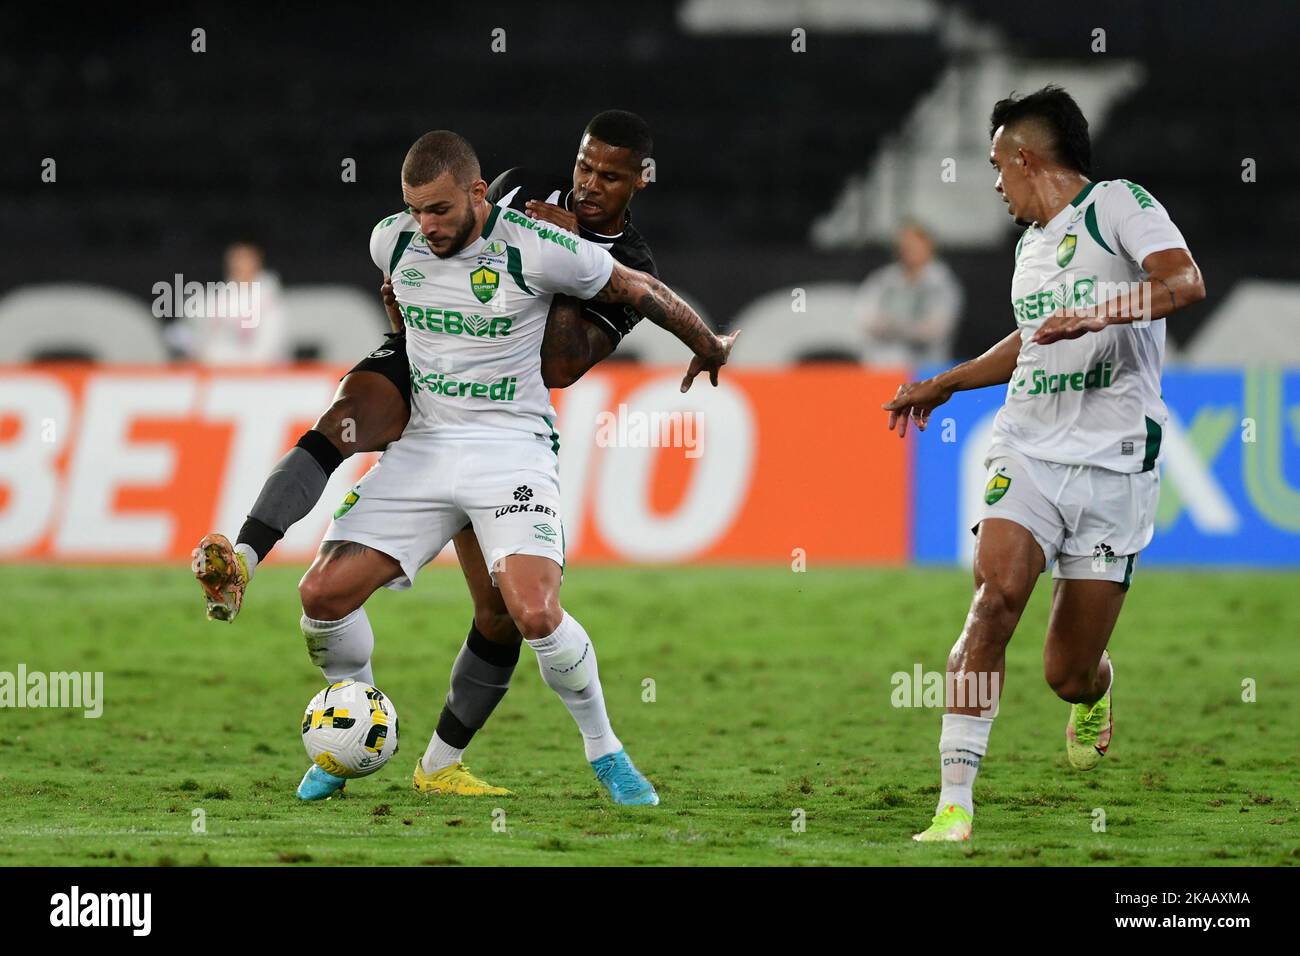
1229,463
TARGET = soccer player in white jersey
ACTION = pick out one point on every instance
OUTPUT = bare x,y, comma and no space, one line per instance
1072,480
479,446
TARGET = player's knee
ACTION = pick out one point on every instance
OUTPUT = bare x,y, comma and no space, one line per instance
1001,596
323,596
537,620
1068,683
496,625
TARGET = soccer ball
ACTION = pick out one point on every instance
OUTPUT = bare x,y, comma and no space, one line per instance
350,729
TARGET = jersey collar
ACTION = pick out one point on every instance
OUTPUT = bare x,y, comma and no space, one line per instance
1070,213
491,221
1083,194
583,231
475,247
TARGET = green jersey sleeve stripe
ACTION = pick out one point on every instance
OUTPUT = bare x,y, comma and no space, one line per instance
403,240
1152,451
516,266
554,436
1090,220
491,221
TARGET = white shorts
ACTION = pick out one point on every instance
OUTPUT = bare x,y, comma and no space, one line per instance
1091,522
423,491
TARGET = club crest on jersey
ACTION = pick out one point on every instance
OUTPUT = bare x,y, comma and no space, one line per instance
483,282
1065,251
351,499
996,488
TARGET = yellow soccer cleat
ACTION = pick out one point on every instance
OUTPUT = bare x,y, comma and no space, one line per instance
222,572
951,825
1089,729
455,780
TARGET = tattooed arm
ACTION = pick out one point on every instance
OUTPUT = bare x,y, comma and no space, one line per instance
658,303
571,345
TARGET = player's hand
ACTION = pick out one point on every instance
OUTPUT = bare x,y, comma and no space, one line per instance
1067,325
710,363
556,215
389,298
915,400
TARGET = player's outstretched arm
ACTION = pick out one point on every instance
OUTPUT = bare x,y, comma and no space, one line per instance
1173,281
918,399
665,308
571,345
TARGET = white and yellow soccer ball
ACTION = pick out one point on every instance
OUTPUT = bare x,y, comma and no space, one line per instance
350,729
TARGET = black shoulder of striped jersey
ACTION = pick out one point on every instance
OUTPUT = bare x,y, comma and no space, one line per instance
614,318
526,184
630,248
633,251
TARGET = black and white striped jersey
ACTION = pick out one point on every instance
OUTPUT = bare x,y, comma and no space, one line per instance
517,186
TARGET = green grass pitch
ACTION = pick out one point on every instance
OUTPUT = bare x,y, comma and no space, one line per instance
772,695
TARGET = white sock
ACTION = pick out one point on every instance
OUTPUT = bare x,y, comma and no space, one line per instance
250,557
341,649
440,754
567,660
962,746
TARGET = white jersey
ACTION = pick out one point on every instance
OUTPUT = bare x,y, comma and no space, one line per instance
1094,400
474,321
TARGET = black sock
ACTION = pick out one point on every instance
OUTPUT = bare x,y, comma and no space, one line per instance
290,492
484,688
258,536
322,449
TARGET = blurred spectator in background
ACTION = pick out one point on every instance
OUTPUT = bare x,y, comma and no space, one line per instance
238,322
909,308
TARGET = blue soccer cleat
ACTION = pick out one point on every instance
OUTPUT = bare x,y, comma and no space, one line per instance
318,784
626,785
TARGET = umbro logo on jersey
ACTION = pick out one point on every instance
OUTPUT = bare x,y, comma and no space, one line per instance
412,277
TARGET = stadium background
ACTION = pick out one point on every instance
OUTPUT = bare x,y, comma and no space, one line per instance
776,171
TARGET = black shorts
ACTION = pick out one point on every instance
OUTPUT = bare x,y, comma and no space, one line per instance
389,360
